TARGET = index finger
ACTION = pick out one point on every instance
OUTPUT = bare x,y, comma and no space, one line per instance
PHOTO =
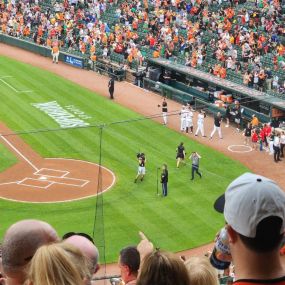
142,236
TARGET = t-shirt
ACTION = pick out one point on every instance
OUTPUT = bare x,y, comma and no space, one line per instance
180,149
277,281
195,160
217,121
164,106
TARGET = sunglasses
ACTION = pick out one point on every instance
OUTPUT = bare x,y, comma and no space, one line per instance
70,234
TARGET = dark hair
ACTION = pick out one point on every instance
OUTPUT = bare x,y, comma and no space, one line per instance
163,268
267,237
130,257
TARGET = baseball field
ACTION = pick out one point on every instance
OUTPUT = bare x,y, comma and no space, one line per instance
61,121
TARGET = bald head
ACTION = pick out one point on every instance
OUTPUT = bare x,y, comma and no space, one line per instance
21,241
87,248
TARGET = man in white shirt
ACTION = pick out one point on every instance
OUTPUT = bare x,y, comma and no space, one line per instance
200,123
183,113
276,147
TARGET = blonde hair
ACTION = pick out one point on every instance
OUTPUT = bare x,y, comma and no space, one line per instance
162,268
58,264
201,272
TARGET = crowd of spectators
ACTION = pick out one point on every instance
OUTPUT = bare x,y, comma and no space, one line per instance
222,38
34,254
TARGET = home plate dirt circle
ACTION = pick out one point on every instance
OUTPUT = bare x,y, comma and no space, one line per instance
54,180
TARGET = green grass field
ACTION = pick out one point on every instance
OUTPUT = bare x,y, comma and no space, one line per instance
183,220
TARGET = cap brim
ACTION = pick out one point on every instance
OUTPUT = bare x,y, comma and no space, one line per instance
220,204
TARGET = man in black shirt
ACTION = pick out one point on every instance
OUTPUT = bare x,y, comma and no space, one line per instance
217,125
164,111
164,180
180,154
111,88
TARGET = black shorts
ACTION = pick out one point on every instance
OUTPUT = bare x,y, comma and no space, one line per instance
180,155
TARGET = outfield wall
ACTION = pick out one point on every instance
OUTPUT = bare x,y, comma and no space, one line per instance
41,50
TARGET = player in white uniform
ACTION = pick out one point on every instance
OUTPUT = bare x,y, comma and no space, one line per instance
183,113
189,120
200,123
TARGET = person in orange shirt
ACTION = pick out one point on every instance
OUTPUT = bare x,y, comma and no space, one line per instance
223,72
155,54
55,53
254,122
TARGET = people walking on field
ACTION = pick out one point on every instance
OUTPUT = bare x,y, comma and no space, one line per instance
183,114
141,168
189,119
195,158
180,154
217,125
200,123
164,111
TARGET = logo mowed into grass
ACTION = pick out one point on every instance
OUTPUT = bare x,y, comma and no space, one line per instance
65,119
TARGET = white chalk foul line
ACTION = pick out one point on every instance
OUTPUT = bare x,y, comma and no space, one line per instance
19,153
14,89
6,76
10,86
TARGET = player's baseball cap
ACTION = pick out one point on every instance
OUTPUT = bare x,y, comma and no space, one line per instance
248,200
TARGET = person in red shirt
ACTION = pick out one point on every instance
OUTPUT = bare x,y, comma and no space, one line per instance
267,129
254,139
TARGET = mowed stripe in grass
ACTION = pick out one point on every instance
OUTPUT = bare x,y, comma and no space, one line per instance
183,220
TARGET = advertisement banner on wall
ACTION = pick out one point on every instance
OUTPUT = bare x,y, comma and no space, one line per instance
74,61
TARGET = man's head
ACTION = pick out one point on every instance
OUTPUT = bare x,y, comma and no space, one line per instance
87,247
20,243
129,263
254,211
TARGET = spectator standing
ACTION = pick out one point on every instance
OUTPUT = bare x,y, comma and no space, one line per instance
111,86
254,212
164,180
129,263
217,125
195,158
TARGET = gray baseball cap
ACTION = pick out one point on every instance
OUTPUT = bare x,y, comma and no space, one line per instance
248,200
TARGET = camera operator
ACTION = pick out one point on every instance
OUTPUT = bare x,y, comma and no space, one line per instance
141,169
